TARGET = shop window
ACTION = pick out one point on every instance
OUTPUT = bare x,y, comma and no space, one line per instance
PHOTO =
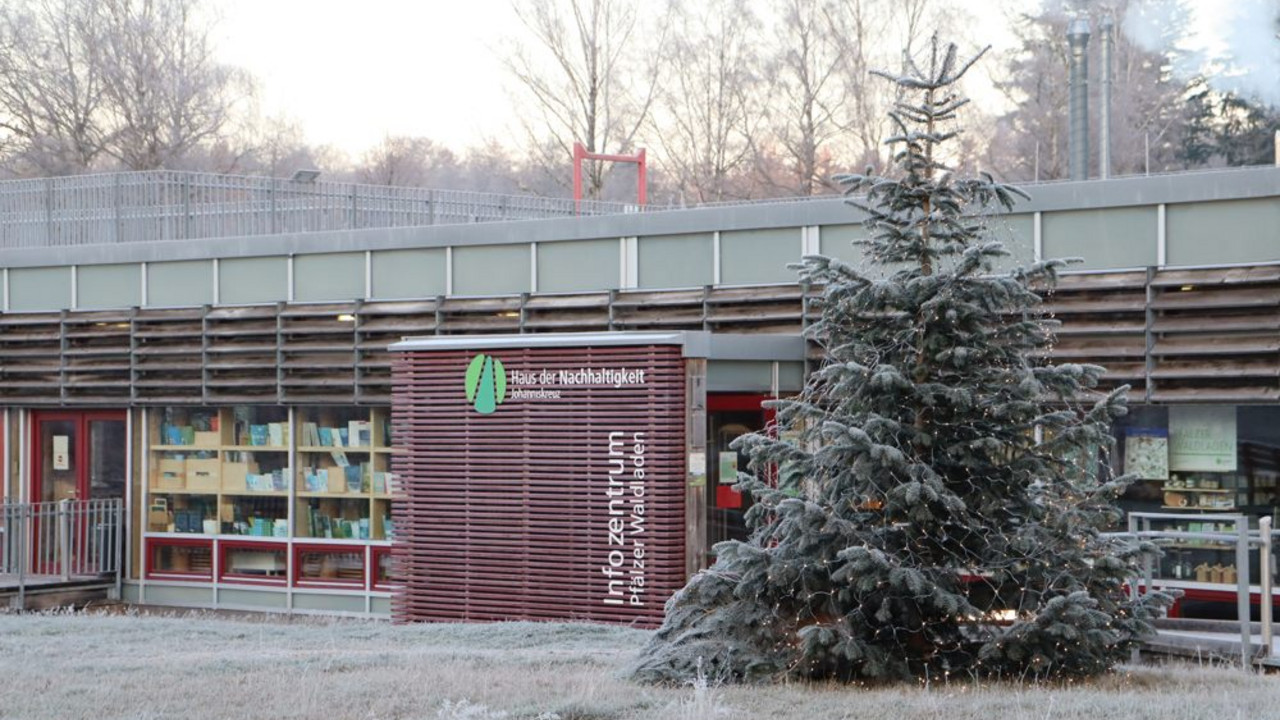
329,566
250,562
179,559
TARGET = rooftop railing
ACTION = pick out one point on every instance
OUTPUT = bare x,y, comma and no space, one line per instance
163,205
169,205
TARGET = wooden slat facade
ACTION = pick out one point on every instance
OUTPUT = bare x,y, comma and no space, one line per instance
1202,335
542,509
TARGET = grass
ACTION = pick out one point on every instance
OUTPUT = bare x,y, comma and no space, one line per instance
203,666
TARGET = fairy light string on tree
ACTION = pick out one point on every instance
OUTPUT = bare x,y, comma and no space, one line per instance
927,517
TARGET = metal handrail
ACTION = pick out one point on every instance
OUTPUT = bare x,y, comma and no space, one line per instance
1243,539
62,540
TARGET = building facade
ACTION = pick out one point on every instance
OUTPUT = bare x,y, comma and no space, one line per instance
219,353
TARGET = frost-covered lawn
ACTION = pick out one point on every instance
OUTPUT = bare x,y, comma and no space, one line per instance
198,666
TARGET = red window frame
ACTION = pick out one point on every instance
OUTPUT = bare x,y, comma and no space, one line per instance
334,583
149,556
375,559
225,546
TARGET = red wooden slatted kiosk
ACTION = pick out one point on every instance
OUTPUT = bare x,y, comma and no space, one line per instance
548,476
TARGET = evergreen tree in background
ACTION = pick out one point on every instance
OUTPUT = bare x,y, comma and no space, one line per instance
934,512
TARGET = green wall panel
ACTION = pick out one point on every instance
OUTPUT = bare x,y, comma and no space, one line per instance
758,256
1017,232
491,269
675,261
173,284
380,606
108,286
579,265
1105,238
1232,231
328,276
40,288
417,273
252,280
837,241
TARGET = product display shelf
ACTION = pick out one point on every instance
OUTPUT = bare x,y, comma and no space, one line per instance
219,542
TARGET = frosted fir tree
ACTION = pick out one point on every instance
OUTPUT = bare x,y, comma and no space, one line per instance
930,516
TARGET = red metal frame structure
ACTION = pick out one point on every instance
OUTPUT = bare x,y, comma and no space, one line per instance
580,153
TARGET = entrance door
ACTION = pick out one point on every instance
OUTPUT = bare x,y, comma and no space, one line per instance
80,456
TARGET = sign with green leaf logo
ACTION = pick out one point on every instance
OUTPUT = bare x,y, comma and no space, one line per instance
486,383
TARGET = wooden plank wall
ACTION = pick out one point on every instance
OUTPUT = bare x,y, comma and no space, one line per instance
1207,335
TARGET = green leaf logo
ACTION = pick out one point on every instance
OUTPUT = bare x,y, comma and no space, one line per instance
486,383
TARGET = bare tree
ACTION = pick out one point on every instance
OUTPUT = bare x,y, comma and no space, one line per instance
409,161
705,119
810,106
589,70
167,90
51,86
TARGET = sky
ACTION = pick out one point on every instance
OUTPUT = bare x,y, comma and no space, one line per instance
352,73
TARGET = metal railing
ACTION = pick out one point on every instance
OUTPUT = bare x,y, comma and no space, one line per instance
64,540
1239,538
170,205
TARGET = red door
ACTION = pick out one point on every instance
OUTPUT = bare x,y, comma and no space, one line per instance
76,455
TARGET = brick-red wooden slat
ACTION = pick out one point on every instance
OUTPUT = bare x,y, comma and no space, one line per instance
507,515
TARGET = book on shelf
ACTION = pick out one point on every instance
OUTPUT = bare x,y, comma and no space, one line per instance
340,458
325,437
359,433
352,473
275,434
343,437
310,434
258,435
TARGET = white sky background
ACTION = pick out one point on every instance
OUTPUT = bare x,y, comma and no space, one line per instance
353,72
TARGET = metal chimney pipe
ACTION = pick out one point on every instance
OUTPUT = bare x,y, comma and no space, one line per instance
1078,152
1104,124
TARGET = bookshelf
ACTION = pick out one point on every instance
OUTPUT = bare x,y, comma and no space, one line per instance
269,495
344,479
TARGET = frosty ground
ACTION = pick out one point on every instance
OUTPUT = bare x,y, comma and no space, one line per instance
201,666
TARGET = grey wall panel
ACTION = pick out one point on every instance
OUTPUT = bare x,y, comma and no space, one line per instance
40,288
178,596
491,270
328,603
173,284
253,280
266,599
1212,233
1110,238
409,273
328,276
758,256
108,286
675,261
753,376
579,265
380,606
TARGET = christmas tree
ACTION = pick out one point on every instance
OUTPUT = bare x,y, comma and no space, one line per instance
937,504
